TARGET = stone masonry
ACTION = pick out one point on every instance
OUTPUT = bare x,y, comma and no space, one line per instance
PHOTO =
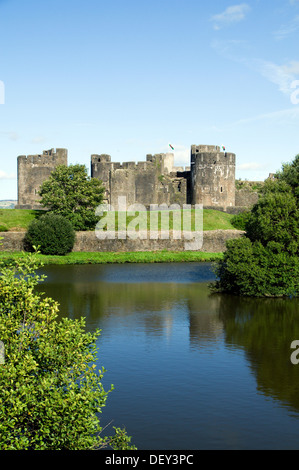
34,170
210,179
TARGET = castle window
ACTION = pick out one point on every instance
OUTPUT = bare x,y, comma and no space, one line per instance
99,159
221,189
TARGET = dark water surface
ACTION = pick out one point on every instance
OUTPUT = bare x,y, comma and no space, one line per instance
191,369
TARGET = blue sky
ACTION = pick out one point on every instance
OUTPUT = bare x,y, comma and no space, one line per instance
129,77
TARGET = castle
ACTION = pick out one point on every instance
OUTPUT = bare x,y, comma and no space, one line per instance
210,179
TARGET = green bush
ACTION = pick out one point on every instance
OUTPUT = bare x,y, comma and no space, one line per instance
253,270
3,228
265,262
51,392
53,234
275,218
239,221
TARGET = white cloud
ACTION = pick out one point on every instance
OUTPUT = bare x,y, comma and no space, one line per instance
232,14
287,29
281,75
6,176
282,116
181,154
251,166
38,140
11,135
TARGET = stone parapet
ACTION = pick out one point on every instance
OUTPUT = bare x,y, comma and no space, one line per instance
214,241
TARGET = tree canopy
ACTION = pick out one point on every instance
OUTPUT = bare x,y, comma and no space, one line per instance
70,192
265,261
51,392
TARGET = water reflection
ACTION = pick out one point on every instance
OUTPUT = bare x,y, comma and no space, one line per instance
265,328
166,315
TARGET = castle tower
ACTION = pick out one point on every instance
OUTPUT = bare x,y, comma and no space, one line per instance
33,170
212,176
100,166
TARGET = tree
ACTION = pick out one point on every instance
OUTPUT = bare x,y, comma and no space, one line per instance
265,262
290,175
70,192
50,390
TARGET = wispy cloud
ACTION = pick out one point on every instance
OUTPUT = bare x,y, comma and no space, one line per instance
181,154
288,29
281,75
251,166
282,116
10,134
232,14
38,140
6,176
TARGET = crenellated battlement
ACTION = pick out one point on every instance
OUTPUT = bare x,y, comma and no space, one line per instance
48,157
210,179
32,171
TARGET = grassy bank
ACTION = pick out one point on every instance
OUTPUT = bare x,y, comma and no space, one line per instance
16,220
109,257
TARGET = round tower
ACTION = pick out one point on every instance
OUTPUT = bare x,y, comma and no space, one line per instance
212,176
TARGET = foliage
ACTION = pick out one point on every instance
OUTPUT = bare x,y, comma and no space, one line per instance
70,192
52,233
265,262
250,186
251,269
290,175
50,390
275,218
239,220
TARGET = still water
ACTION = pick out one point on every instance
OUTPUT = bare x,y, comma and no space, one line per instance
191,369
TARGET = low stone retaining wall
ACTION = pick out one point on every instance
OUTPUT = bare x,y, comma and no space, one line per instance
214,241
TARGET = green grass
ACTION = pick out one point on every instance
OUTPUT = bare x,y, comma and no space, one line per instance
123,257
19,219
217,220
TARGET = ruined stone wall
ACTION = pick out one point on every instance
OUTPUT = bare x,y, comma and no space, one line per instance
211,180
212,176
33,170
148,182
214,241
246,197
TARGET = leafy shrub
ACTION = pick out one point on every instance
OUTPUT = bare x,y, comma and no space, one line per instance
266,262
239,221
3,228
275,218
251,269
53,234
50,391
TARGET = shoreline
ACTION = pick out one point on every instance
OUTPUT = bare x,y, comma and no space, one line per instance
117,257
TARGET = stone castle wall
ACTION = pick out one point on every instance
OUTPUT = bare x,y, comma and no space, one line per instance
210,180
212,176
214,241
32,171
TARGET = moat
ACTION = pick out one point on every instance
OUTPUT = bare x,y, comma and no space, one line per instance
191,369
